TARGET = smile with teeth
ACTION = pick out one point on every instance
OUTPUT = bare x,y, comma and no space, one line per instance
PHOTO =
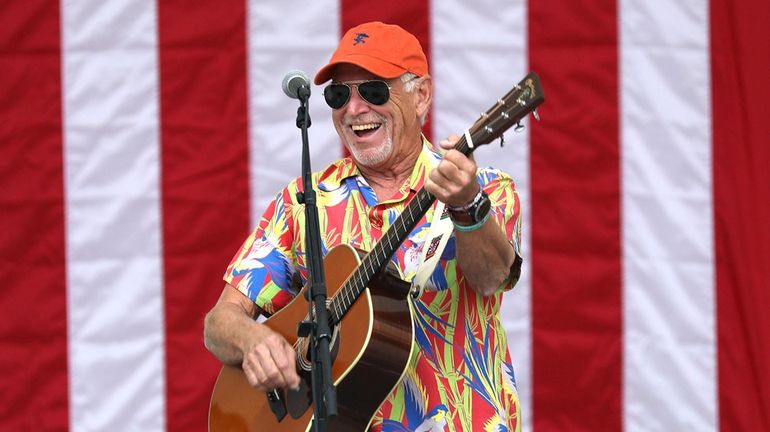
361,129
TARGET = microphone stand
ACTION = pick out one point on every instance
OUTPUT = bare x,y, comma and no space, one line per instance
317,328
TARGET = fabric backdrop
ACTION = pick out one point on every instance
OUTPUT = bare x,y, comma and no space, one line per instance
140,141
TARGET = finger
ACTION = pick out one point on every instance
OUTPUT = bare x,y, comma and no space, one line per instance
446,144
290,375
447,172
461,161
255,374
452,144
285,361
272,370
436,189
436,182
448,182
449,142
453,178
452,186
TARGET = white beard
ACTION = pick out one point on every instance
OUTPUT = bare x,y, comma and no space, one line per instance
372,157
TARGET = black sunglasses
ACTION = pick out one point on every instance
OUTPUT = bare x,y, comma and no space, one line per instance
375,92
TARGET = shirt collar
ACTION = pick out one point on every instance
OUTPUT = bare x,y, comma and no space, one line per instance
335,174
426,161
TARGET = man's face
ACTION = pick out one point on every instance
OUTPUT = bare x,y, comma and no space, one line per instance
374,134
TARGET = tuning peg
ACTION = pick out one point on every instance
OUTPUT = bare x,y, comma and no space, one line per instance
519,127
502,140
536,115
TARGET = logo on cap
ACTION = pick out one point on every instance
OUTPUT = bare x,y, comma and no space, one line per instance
360,38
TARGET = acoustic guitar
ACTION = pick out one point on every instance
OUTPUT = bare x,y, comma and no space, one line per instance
370,311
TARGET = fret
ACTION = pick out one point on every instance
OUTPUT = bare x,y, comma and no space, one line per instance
409,209
371,269
342,299
350,295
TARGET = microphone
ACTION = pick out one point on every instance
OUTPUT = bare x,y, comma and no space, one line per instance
293,83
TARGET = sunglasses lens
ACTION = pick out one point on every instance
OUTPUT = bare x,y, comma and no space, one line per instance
336,95
374,92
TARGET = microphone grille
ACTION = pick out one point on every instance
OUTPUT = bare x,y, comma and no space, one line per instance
293,81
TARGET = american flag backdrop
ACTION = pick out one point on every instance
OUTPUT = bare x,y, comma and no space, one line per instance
141,139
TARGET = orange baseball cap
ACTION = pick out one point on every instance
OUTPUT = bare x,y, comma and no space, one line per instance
385,50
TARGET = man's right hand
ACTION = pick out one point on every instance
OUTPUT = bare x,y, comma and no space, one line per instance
234,337
270,362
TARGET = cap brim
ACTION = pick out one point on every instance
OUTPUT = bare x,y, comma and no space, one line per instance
373,65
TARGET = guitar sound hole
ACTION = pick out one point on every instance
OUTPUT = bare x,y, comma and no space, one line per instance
302,347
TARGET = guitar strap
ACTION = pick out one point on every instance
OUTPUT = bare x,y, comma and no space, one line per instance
438,235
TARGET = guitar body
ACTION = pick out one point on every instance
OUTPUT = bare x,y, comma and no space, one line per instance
372,346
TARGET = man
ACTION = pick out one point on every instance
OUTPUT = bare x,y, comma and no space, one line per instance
461,378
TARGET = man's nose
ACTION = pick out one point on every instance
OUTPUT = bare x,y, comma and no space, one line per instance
356,104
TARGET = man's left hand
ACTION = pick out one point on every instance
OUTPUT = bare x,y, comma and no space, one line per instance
453,181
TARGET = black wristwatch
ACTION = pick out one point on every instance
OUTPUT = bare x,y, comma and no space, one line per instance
472,213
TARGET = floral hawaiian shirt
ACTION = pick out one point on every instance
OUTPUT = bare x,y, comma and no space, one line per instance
460,378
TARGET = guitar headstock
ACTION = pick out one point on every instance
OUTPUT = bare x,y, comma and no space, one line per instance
521,100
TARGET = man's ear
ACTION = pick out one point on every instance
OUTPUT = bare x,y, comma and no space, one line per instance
424,95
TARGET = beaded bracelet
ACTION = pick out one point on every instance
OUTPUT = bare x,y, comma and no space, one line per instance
474,227
470,203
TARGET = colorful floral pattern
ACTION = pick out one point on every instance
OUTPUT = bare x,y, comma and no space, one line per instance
461,377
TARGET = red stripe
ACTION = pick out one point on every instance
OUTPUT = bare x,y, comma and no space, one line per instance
204,136
740,61
576,230
33,302
413,16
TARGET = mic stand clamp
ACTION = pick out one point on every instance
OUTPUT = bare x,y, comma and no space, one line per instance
317,329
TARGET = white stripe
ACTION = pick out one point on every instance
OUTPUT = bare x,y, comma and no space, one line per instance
114,269
476,60
669,302
277,44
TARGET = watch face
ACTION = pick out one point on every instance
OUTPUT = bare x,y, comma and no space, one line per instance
482,208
